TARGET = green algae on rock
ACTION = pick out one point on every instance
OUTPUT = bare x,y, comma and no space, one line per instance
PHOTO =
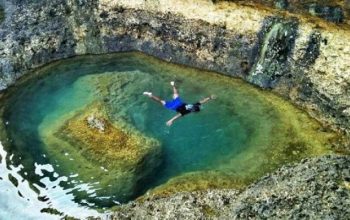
111,153
198,181
101,141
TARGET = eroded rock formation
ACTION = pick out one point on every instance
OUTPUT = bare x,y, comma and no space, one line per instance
315,188
126,155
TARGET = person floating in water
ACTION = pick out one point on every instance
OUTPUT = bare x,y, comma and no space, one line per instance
178,105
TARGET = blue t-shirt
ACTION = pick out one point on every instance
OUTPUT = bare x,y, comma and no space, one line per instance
173,104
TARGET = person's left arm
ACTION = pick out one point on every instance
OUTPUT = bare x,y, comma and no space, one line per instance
170,122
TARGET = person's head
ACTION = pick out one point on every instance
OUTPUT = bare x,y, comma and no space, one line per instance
196,108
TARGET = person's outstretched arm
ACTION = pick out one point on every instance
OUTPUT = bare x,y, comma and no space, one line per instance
207,99
170,122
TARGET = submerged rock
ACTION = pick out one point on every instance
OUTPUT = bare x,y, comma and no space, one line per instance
123,154
98,123
198,181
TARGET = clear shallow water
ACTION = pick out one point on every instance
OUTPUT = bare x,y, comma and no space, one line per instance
235,139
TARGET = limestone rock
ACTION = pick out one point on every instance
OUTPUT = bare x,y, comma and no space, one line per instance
97,123
315,188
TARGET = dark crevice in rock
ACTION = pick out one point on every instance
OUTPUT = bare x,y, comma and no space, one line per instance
2,14
312,51
274,49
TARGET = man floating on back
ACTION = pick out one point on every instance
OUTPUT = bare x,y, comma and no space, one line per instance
178,105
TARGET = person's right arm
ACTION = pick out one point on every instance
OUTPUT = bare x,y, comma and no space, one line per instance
170,122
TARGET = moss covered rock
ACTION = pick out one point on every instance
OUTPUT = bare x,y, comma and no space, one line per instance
115,154
100,141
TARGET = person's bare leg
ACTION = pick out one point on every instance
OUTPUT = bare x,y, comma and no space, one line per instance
155,98
175,92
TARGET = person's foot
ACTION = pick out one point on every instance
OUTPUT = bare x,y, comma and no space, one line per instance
149,94
172,83
212,96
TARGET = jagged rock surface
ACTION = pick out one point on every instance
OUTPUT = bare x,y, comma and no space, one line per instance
315,188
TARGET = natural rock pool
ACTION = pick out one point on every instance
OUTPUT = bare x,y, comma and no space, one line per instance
48,129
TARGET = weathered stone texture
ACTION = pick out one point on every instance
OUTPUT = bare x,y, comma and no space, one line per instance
313,189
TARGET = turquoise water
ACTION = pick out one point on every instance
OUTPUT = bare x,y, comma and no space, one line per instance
237,137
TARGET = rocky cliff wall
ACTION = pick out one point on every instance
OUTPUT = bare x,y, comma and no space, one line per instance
306,61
